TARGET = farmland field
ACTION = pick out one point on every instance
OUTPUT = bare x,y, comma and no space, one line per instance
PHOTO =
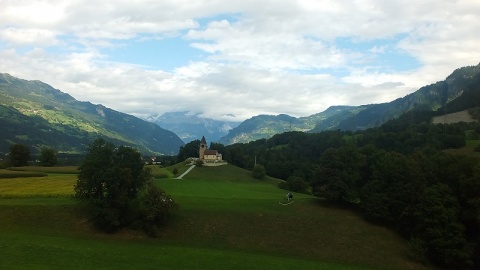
226,220
51,186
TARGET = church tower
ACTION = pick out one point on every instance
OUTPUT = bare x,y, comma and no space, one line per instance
203,147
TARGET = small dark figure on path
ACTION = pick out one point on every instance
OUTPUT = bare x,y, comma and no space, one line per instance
289,196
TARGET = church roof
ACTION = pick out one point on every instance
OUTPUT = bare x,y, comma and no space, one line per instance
210,152
203,140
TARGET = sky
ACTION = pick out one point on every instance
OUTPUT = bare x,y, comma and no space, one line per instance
231,60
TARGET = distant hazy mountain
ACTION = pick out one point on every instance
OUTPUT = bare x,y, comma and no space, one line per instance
189,126
35,114
457,92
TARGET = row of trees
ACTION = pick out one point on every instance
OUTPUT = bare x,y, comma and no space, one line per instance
19,155
396,175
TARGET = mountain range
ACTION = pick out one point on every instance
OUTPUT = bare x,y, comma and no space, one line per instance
35,114
459,91
192,126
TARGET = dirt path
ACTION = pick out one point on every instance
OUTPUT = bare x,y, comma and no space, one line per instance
185,173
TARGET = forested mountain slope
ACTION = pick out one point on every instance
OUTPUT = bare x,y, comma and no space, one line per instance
459,91
35,114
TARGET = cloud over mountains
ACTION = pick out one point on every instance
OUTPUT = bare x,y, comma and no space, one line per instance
237,57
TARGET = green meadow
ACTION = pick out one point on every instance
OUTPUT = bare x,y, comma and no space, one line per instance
226,220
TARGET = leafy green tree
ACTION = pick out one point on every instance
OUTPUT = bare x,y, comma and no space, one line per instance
156,207
188,150
258,171
339,174
396,186
109,182
19,155
48,157
440,235
297,184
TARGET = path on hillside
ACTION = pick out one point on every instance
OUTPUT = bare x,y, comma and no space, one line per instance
187,171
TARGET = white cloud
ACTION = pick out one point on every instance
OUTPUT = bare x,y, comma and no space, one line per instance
263,56
27,36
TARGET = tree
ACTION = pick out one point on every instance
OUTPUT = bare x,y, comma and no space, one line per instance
297,184
19,155
109,183
396,186
258,171
339,174
156,206
188,150
440,235
48,157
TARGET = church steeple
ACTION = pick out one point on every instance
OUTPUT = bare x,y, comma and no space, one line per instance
202,148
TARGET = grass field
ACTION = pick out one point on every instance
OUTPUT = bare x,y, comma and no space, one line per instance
226,220
468,150
30,187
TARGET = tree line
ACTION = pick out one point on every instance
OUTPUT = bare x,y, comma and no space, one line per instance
397,175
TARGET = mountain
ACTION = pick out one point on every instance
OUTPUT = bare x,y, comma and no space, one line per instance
191,126
265,126
35,114
440,96
459,91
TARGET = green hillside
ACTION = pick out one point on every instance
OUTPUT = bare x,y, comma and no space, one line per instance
35,114
459,91
227,220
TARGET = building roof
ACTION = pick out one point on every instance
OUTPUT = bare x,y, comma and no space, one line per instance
203,141
210,152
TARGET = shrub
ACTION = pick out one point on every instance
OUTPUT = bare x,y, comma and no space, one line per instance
199,162
258,171
297,184
156,207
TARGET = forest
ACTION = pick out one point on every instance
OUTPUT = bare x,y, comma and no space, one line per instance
399,175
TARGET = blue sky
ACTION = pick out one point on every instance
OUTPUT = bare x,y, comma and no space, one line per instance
236,59
164,54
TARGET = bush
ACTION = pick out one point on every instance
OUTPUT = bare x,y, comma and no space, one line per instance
199,162
258,171
156,207
297,184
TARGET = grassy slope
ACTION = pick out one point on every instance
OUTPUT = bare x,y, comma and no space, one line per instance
468,150
226,221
